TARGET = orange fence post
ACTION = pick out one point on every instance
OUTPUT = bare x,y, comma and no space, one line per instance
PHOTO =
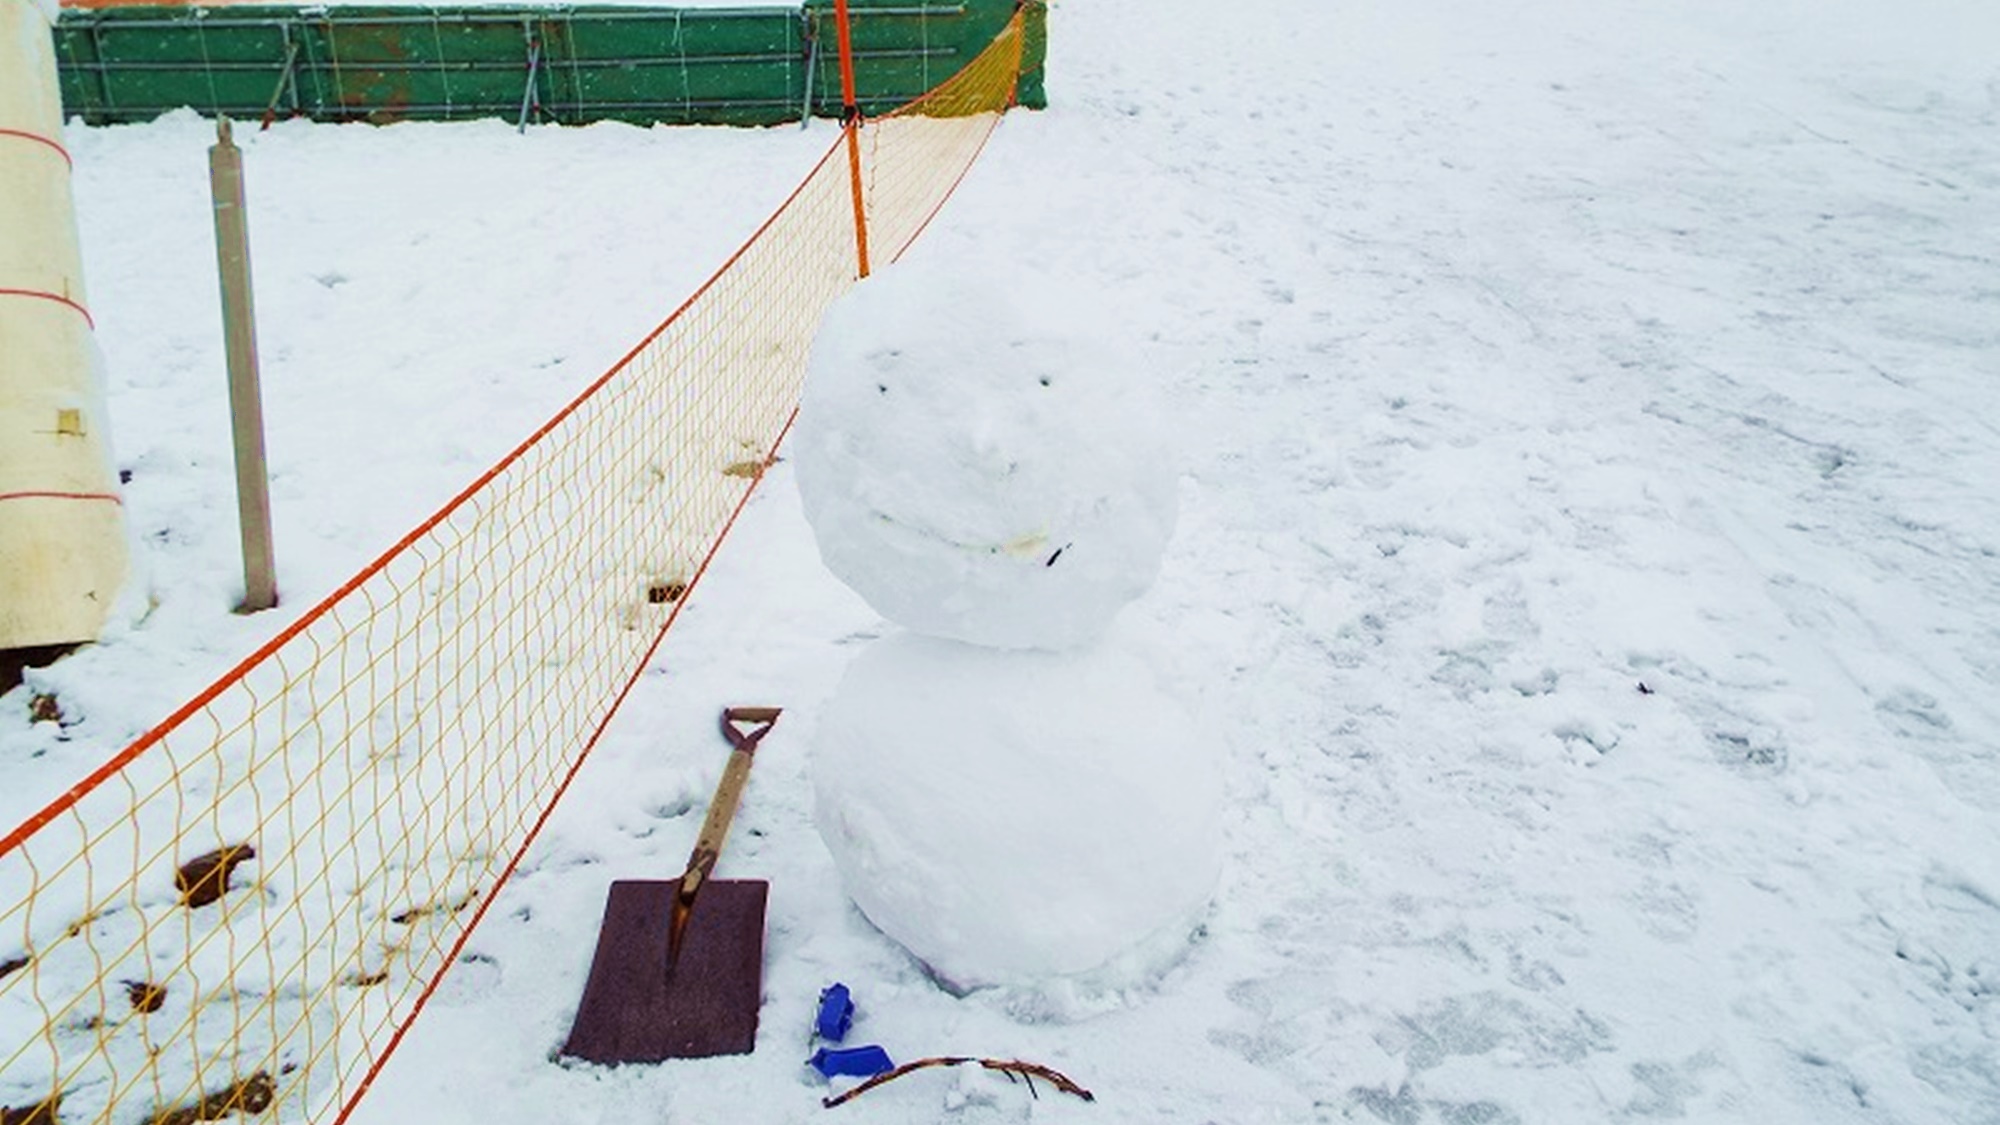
850,121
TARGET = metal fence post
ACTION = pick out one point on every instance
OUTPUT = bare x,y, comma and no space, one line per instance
246,402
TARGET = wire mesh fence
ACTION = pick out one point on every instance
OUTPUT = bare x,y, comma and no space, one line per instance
240,912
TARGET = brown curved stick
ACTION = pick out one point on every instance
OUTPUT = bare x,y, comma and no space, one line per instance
1010,1067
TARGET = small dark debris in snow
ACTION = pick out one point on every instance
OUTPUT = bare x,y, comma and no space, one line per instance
430,909
45,709
1643,689
42,1114
14,662
205,878
369,980
1058,554
146,996
251,1096
881,388
1045,381
12,965
124,476
660,593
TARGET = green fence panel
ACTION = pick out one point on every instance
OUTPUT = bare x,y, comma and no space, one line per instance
740,66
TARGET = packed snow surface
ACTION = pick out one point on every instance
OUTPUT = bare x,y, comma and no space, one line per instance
1013,818
1588,558
978,459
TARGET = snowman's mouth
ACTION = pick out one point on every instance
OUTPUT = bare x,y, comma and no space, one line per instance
1033,545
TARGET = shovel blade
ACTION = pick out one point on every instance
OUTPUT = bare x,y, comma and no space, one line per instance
635,1011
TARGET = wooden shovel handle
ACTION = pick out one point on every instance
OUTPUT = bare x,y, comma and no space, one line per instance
715,827
728,794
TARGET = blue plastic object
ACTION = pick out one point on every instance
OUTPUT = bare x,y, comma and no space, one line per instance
855,1062
836,1014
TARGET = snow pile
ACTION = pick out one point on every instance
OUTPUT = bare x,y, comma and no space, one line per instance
1011,817
976,464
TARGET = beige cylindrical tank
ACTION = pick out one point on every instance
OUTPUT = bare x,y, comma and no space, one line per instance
62,526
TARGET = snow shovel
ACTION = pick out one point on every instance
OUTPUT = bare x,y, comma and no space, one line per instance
679,968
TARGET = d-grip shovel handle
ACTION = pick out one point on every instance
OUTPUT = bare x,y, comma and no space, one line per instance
721,810
729,791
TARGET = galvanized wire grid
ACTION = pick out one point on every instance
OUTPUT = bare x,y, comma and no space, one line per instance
242,911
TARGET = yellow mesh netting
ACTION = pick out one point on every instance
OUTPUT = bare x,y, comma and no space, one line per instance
242,910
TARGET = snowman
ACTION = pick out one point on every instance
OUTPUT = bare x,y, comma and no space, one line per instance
1005,787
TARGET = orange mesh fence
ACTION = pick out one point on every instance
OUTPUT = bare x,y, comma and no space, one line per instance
243,910
914,157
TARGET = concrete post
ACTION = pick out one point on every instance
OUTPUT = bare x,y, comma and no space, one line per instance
246,399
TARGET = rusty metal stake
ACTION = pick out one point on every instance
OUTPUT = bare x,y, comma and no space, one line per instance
246,401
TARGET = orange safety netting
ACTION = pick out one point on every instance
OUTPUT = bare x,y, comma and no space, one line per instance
243,910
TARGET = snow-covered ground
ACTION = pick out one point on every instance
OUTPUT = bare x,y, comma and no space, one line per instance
1588,565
